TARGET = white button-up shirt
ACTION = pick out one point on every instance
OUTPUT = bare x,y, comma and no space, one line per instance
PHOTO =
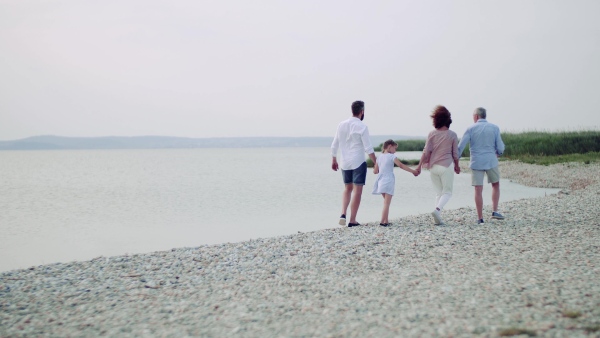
352,139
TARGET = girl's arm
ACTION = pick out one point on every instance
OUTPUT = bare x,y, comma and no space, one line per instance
405,167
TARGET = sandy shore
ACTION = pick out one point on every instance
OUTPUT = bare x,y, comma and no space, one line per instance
538,271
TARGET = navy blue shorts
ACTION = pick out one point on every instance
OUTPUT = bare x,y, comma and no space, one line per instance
355,176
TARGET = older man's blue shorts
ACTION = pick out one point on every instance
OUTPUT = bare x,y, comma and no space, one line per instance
356,176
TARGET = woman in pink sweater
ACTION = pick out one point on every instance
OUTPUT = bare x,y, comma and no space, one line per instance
440,156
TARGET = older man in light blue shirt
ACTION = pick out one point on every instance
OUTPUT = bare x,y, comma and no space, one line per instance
485,146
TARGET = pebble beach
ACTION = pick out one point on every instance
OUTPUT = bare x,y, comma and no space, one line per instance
535,273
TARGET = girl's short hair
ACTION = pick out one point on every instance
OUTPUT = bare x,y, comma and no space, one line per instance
388,143
441,117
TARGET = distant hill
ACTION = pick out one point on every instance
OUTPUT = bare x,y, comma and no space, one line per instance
167,142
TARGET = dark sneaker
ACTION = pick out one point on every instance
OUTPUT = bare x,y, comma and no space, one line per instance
384,224
497,215
342,220
480,221
353,224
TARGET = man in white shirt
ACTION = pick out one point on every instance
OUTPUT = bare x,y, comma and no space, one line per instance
352,139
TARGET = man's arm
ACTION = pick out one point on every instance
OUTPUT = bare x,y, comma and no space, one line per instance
464,141
373,158
376,168
366,141
499,144
334,164
334,150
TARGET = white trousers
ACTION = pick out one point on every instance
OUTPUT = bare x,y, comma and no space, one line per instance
443,183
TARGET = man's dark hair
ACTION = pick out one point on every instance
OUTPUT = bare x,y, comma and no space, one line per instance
357,107
441,117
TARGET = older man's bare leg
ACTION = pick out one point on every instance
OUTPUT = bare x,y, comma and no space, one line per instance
495,195
479,201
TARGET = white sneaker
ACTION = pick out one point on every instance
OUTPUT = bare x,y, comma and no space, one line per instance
437,217
342,220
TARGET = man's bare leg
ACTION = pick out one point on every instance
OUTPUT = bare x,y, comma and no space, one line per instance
495,195
346,198
356,196
479,201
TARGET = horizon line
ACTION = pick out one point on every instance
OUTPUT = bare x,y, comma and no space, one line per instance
190,137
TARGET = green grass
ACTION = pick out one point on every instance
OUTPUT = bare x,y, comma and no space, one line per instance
586,158
535,147
551,144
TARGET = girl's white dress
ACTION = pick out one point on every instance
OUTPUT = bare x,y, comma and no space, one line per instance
386,181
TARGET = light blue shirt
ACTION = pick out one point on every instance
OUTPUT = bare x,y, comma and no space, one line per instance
485,145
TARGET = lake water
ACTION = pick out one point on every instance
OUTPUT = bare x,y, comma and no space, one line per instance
60,206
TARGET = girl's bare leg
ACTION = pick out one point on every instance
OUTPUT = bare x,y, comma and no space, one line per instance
387,200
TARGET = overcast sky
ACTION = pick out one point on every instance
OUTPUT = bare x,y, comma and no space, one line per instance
198,68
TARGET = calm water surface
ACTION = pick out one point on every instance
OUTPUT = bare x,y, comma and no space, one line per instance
60,206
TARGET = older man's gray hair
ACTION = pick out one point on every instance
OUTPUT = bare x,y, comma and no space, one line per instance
480,112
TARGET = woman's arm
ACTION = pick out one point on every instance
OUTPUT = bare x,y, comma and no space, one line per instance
455,156
426,153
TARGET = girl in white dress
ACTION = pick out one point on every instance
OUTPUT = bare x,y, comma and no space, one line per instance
386,181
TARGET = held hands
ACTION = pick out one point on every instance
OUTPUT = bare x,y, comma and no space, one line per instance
417,171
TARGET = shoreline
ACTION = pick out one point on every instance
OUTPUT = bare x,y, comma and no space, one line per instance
412,279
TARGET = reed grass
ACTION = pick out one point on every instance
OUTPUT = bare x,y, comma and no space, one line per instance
551,144
586,158
538,147
406,145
